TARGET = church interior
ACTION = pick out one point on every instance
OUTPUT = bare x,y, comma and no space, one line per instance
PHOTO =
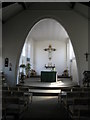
44,60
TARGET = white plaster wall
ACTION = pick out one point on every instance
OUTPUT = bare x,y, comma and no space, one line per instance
74,71
0,46
16,30
58,56
0,67
72,63
89,43
32,53
61,57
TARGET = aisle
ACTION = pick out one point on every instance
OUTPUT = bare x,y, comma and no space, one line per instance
45,108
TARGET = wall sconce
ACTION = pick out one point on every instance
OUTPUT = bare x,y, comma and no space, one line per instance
6,62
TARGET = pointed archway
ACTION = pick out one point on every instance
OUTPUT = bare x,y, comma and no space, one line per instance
65,48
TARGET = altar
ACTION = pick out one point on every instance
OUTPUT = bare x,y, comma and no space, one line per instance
48,76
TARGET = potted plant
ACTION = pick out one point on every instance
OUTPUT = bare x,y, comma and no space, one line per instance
28,68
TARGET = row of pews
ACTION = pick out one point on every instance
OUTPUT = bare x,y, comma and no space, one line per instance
76,101
15,101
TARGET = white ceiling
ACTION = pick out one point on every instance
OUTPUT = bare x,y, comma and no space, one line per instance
48,29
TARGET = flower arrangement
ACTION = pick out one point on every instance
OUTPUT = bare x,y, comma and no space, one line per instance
33,72
65,73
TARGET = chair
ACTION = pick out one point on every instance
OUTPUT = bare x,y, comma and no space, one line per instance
23,99
26,93
84,114
68,100
5,88
14,88
86,89
63,92
6,93
14,107
77,89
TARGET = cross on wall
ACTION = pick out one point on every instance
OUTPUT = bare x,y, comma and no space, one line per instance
50,49
87,54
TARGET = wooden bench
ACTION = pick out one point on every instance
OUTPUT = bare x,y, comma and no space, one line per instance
40,92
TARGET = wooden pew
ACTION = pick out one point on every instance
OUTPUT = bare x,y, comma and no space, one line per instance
13,107
78,105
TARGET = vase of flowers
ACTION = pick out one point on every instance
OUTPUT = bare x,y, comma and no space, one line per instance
65,73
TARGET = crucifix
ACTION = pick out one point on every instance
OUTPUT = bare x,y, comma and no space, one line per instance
50,49
87,54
